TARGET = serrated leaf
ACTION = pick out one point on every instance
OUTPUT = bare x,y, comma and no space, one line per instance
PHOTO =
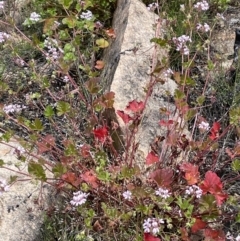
37,170
48,112
102,43
66,3
63,108
59,170
236,165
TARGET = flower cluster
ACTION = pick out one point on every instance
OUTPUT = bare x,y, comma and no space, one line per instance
3,37
13,108
204,126
164,193
152,7
65,79
201,6
34,17
127,195
194,190
1,4
181,42
20,150
229,236
86,15
204,28
53,49
3,186
167,73
152,225
79,198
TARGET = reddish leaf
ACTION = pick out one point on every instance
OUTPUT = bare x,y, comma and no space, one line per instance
99,64
216,235
150,237
163,177
111,33
165,123
212,184
191,173
199,224
135,106
46,144
90,178
214,132
71,177
125,117
216,127
184,234
85,151
101,133
151,158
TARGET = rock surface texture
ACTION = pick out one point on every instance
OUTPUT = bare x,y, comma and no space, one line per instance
20,216
127,70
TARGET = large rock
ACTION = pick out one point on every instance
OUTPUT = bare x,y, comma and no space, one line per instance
22,207
127,70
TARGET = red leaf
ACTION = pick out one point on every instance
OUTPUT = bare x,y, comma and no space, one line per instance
191,173
184,234
151,158
216,127
125,117
216,235
71,177
46,144
165,123
150,237
199,224
90,177
85,151
163,177
212,184
214,132
135,106
101,133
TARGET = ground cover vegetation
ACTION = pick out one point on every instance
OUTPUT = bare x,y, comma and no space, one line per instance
52,100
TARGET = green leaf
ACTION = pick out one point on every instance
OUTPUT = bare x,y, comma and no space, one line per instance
70,21
159,41
1,162
36,125
237,218
236,165
49,112
59,169
179,94
66,3
200,100
37,170
102,43
63,108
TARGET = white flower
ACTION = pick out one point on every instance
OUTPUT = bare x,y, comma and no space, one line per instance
164,193
194,190
182,7
65,79
201,6
229,236
34,17
167,73
127,195
1,4
3,37
13,108
181,42
86,15
220,16
238,238
152,225
79,198
3,186
21,150
152,7
204,126
204,28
